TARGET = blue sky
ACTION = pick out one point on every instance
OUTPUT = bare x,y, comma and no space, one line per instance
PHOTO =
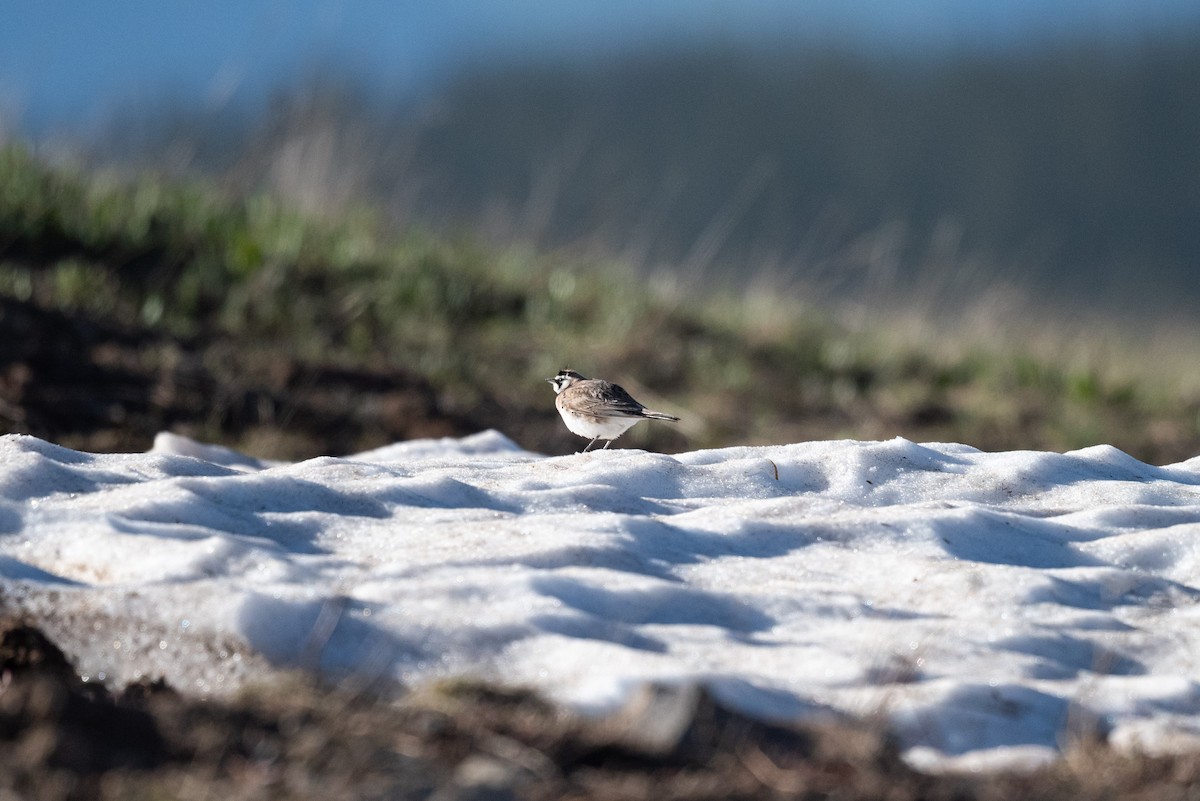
64,63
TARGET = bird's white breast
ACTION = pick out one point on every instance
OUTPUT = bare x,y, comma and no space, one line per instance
592,427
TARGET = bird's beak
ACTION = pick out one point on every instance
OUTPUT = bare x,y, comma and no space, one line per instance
549,380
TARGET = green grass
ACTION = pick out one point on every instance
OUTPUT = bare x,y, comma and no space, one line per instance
486,326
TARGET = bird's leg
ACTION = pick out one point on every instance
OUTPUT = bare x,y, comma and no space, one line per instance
589,446
606,444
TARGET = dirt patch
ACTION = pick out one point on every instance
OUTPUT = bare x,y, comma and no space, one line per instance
96,386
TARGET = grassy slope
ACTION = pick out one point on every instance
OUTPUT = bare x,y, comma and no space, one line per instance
246,283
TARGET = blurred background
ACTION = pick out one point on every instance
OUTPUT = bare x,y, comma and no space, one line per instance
1015,176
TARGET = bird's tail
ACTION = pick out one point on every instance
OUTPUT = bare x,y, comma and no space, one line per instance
659,416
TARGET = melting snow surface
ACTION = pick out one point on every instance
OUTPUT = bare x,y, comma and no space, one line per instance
990,606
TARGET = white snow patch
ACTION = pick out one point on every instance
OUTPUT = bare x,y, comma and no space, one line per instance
991,606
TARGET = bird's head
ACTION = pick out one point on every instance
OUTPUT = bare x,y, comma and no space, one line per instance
564,379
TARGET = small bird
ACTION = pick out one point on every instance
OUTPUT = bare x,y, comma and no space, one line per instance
597,409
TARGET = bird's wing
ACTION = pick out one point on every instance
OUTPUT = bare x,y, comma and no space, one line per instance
601,399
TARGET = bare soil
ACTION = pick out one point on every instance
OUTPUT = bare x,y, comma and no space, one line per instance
95,386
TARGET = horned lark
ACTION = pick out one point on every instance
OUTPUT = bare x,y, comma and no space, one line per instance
597,409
